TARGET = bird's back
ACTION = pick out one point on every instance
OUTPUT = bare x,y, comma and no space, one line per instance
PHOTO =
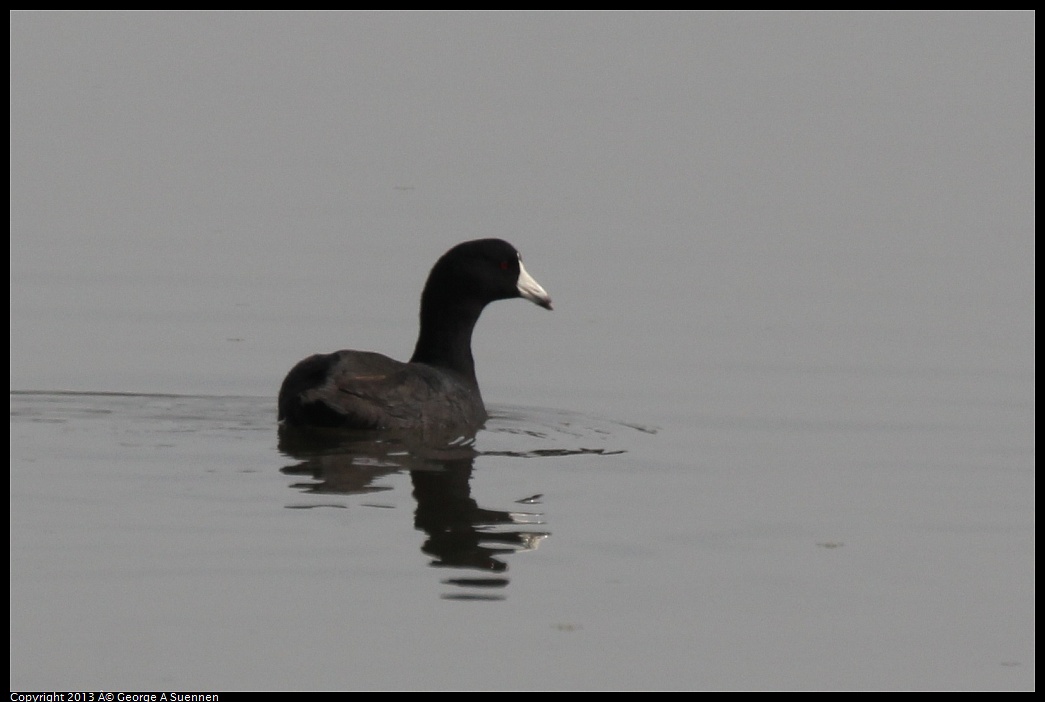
365,390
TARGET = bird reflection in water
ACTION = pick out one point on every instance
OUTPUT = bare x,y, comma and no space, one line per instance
458,532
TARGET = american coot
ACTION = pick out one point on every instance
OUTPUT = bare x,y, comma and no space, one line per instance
436,391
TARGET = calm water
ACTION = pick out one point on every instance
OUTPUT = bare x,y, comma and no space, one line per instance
778,432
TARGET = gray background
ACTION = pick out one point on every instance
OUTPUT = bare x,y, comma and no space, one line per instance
800,246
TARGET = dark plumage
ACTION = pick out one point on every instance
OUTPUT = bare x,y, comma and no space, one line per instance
436,391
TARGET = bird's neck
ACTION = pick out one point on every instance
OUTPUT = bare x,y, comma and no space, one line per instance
445,339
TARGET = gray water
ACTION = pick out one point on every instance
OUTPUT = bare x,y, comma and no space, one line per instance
778,432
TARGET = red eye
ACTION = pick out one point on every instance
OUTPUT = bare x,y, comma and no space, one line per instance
504,265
